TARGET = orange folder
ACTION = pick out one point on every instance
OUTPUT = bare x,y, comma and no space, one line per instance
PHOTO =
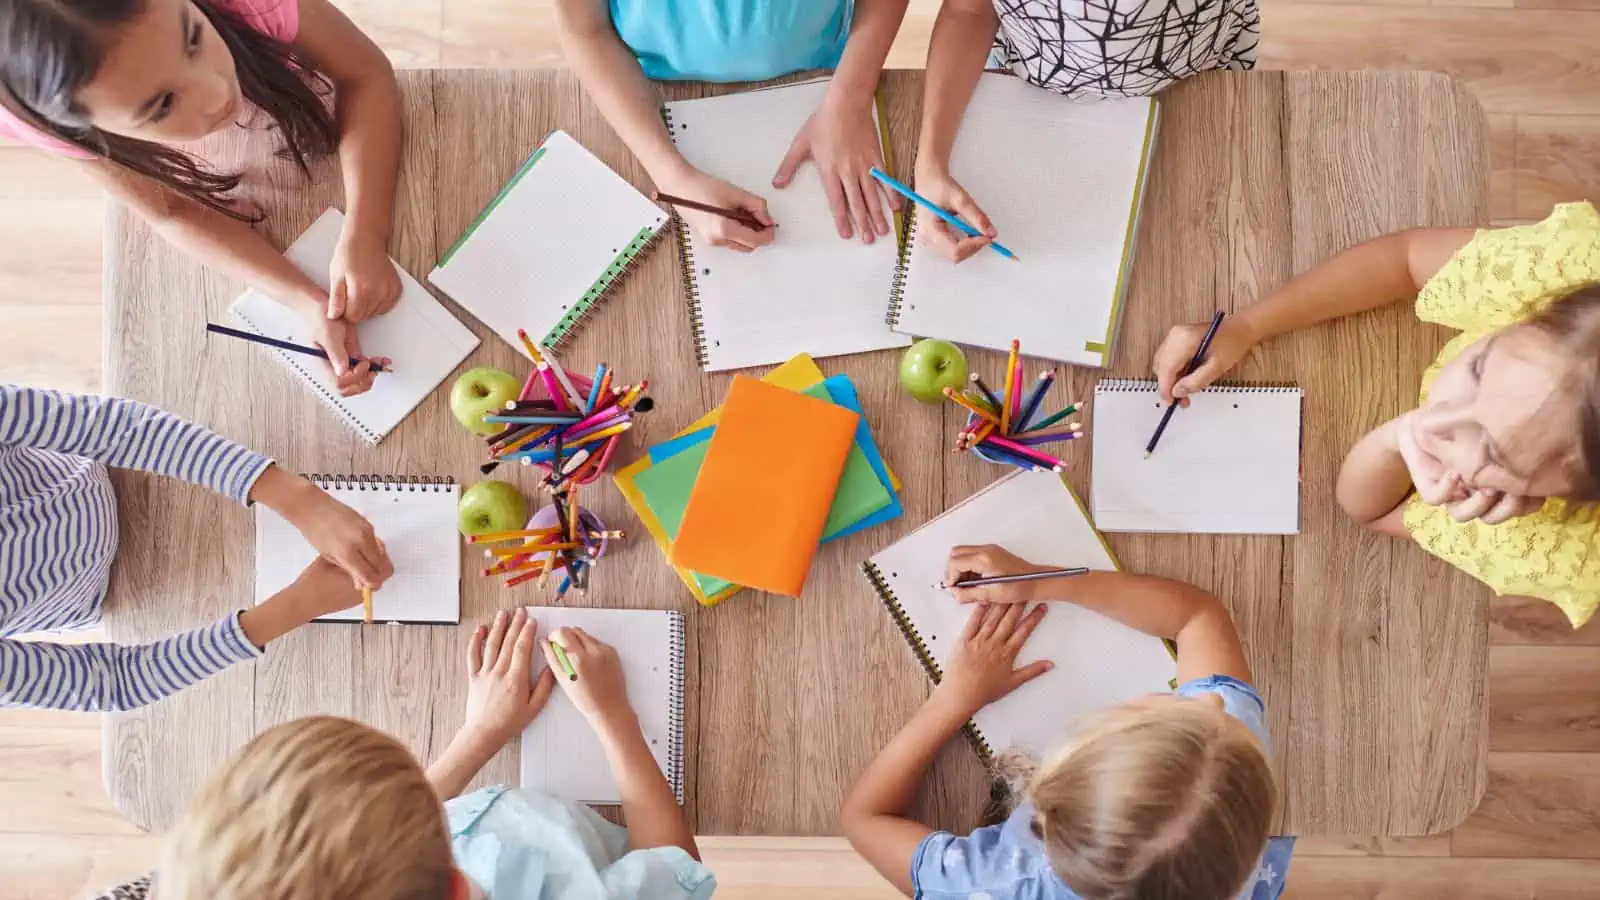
758,508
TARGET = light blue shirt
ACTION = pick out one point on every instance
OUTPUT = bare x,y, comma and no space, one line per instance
1007,862
726,40
525,845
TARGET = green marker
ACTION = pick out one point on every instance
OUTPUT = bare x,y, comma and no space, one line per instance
561,657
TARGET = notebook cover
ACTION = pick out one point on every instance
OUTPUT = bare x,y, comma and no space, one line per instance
771,470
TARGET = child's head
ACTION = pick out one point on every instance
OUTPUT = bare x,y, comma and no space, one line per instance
1164,797
1519,411
317,809
125,79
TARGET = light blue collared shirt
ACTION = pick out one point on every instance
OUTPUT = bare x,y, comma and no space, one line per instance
727,41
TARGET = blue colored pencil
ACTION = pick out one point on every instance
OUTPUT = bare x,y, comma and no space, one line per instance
1031,405
945,214
594,389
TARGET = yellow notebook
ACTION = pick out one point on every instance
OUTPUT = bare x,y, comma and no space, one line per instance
762,499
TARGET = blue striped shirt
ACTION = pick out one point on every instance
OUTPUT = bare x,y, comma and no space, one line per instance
58,533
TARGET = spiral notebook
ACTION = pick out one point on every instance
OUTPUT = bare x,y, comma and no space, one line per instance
551,246
1099,662
560,752
809,291
416,520
1228,464
1062,180
425,341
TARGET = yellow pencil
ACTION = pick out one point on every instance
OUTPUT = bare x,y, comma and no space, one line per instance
498,536
366,605
601,435
528,549
969,405
533,350
1011,385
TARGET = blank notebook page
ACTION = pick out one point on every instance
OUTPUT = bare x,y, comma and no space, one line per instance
1098,662
560,753
1059,179
1228,464
423,339
554,231
809,291
417,524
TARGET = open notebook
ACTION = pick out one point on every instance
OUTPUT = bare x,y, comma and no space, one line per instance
550,246
560,753
809,291
1229,464
1062,180
416,520
1098,662
423,339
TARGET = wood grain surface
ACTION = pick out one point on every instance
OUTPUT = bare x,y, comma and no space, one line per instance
1372,658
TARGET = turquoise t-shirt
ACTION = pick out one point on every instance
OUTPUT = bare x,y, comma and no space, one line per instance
724,40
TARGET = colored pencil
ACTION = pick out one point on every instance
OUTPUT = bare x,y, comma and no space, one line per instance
1011,387
605,389
1012,459
281,345
1014,399
594,389
527,386
970,406
1009,579
530,549
1053,418
560,371
530,406
496,536
530,420
366,605
1068,428
743,217
530,346
1031,405
988,395
526,577
566,664
1030,441
553,389
1024,451
632,396
951,218
1199,357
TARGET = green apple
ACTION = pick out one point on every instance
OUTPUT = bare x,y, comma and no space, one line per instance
479,392
491,506
930,366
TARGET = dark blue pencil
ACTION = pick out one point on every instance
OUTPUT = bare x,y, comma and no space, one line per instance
1031,405
1199,357
281,345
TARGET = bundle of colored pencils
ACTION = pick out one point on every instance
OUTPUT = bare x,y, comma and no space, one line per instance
572,545
565,424
1003,428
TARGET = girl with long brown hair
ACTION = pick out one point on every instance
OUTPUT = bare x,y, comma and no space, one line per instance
123,84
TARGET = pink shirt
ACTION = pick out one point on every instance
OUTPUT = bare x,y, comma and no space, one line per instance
278,19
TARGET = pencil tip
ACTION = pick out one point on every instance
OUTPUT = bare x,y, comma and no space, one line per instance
1147,454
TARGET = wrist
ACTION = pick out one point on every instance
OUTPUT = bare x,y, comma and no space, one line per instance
616,726
475,745
282,613
670,171
285,493
950,706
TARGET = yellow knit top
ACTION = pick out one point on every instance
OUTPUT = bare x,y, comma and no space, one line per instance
1499,278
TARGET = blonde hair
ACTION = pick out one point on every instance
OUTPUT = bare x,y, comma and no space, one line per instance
1155,799
317,809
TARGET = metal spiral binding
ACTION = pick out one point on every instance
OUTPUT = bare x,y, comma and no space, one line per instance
902,268
332,401
675,712
1140,386
691,287
902,622
614,276
411,483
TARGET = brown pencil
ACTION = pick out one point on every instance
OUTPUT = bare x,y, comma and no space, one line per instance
743,217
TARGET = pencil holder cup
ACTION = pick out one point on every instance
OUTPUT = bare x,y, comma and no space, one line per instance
588,524
600,451
979,451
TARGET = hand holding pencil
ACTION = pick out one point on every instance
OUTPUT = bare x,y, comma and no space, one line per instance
989,573
599,690
738,213
939,187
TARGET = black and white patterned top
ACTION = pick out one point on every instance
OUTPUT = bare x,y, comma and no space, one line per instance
1123,48
138,889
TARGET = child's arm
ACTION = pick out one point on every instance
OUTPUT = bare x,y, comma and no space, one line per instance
1207,642
648,804
502,698
963,33
235,248
1369,275
979,673
106,677
616,83
842,135
363,279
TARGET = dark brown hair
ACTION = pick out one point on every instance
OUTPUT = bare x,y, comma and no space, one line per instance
1573,322
52,49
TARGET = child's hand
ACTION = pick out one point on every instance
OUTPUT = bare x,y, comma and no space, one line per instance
980,671
1492,507
365,283
843,141
987,561
939,187
502,694
1436,485
721,231
1232,341
599,692
337,338
336,531
323,589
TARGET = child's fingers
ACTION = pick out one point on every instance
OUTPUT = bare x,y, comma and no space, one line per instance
497,636
1029,672
522,650
542,686
859,217
475,650
967,248
552,662
508,644
799,152
338,299
973,215
993,613
838,205
1024,629
975,621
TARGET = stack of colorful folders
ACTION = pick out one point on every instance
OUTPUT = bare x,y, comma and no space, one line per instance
661,485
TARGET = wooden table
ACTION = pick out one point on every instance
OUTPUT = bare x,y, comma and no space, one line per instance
1371,654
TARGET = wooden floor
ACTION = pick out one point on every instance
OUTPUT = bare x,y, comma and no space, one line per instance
1537,833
